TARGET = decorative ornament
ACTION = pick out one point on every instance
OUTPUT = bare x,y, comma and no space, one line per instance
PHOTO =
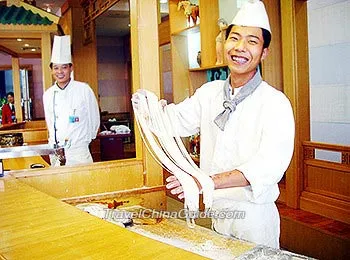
220,40
199,58
191,11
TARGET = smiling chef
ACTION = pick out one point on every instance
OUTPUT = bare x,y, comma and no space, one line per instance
71,109
247,133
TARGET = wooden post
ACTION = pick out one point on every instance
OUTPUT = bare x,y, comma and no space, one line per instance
45,60
296,87
17,88
145,72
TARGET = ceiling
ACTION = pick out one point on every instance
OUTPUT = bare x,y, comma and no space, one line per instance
114,22
26,47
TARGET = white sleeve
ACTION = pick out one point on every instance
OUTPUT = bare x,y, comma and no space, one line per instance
187,117
267,167
93,113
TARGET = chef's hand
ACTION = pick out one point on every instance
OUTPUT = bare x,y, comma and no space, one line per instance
135,99
175,187
163,103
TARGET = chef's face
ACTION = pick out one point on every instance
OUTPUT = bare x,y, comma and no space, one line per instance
244,50
61,73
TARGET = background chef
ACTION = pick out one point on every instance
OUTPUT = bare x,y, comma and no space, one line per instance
71,109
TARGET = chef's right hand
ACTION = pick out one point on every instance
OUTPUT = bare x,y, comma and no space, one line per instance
175,187
135,99
163,103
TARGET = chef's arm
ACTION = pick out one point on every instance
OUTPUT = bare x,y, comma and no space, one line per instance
93,113
223,180
229,179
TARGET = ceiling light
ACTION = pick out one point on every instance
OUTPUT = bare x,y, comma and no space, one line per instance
19,39
26,45
33,48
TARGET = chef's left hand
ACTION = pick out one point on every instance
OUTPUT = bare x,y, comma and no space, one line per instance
175,187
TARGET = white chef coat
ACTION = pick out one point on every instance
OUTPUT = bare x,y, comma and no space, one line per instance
258,140
77,119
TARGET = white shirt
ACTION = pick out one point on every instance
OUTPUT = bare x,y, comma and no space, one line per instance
258,138
76,111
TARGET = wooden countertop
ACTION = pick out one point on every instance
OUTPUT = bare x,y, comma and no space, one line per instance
12,126
34,225
23,163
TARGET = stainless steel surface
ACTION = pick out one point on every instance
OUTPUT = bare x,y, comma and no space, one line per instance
26,151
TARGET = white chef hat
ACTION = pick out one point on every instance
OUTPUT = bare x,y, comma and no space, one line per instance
61,53
253,14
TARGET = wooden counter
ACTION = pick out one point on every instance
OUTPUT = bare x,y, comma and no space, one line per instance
23,163
34,225
34,132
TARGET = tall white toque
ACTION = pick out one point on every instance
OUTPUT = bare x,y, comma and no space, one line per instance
61,53
253,14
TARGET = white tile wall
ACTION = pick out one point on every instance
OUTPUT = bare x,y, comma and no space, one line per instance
329,60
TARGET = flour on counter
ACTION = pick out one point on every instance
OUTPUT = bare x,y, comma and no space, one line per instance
206,249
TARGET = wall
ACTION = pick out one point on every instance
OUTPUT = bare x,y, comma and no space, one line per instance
228,8
113,74
329,51
5,60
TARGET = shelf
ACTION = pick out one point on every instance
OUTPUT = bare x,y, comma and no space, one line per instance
187,31
208,68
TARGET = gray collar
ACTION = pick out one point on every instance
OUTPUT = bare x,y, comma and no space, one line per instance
231,104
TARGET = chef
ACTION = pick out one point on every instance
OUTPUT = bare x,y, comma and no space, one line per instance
71,109
247,134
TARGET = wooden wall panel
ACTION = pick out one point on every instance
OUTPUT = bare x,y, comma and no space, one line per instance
326,188
272,65
164,32
328,181
325,206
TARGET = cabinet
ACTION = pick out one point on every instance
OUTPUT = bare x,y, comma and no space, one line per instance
185,81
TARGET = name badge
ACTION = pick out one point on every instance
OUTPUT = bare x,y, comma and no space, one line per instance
73,119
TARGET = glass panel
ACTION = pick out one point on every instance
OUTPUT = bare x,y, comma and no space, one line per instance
329,156
329,60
